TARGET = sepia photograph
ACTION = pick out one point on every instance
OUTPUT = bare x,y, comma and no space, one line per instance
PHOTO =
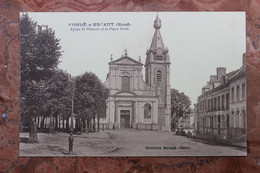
132,84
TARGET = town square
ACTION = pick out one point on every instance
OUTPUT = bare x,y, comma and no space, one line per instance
133,104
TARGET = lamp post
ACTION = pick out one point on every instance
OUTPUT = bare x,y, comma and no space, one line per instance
72,103
71,138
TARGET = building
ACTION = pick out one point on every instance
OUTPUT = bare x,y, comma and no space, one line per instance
134,102
221,107
187,121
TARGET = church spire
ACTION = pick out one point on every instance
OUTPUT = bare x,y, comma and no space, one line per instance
157,23
157,41
157,51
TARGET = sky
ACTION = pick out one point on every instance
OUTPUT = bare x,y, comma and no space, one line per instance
198,42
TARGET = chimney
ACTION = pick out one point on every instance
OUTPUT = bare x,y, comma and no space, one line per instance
224,79
221,71
213,78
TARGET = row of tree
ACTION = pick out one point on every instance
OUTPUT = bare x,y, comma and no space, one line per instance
49,96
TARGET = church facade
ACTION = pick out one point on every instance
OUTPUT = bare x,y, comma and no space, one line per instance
135,102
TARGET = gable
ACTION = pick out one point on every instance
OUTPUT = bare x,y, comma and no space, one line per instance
125,61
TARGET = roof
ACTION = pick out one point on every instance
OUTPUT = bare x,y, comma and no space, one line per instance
238,73
125,60
230,74
157,41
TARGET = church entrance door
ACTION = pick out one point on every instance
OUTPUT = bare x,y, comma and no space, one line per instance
125,118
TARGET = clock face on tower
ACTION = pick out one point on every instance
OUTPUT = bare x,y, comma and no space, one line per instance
159,54
159,51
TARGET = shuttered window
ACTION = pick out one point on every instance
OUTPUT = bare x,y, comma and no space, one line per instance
159,76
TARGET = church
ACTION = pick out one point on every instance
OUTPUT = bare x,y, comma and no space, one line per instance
135,102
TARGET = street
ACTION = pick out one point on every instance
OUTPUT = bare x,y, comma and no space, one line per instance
125,142
157,143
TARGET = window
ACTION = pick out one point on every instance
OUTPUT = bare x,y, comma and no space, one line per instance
218,102
215,104
208,105
238,93
215,122
243,90
223,99
232,94
147,111
223,121
227,100
159,76
212,105
125,83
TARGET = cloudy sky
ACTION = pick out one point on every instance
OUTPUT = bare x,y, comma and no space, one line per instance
198,42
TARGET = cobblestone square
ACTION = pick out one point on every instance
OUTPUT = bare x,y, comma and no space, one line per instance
125,142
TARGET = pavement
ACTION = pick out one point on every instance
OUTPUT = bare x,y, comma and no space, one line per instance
126,142
57,144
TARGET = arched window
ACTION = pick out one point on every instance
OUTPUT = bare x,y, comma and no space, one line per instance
159,76
125,83
237,118
147,111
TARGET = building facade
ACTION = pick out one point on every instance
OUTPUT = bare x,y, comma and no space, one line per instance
187,121
134,102
221,108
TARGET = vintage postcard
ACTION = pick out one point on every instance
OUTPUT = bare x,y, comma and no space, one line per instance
133,84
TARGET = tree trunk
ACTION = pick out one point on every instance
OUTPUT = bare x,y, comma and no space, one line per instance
67,124
91,124
84,124
59,126
21,126
45,122
42,122
88,125
51,124
56,122
38,121
81,125
76,124
98,124
63,123
94,124
33,136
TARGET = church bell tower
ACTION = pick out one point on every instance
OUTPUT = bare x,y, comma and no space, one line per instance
157,74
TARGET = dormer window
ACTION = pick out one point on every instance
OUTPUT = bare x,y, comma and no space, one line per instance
159,76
